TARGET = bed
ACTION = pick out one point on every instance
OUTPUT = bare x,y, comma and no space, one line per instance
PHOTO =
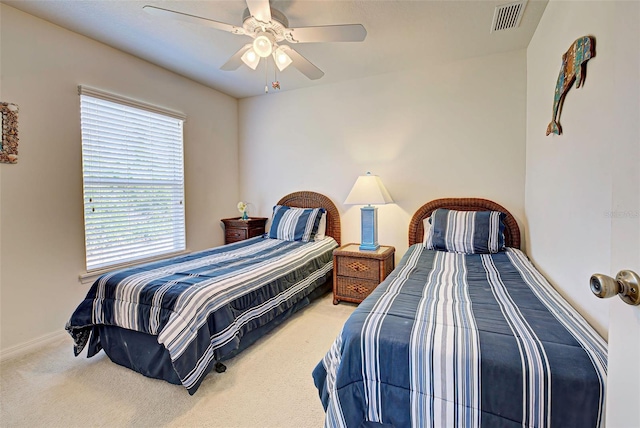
177,319
463,339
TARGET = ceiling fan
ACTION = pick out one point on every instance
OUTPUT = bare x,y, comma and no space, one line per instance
268,27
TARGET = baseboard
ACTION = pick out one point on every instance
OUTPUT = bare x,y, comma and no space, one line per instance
32,345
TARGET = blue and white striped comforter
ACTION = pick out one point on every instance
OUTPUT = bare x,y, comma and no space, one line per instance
454,340
198,305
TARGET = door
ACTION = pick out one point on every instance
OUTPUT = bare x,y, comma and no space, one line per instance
623,386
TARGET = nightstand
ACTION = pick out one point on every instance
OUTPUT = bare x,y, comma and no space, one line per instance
236,229
356,273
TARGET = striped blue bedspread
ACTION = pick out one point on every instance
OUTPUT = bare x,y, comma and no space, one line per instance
454,340
198,305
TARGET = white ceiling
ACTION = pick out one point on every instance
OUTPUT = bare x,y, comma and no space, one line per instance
400,35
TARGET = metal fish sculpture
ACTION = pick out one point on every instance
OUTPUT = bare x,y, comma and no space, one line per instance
574,67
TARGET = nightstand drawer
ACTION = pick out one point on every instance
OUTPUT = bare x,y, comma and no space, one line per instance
236,229
234,235
359,267
354,288
256,231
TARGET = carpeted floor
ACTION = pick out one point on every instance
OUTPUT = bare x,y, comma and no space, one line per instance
268,385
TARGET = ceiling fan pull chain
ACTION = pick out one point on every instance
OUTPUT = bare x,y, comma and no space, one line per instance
266,76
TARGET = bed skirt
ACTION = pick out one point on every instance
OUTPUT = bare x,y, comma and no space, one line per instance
142,353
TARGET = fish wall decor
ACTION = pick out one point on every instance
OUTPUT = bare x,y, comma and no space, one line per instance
574,68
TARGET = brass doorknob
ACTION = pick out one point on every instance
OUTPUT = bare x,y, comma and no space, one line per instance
626,285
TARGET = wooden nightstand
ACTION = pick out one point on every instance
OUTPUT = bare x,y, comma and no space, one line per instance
237,230
356,273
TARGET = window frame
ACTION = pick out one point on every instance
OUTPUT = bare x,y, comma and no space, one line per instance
177,189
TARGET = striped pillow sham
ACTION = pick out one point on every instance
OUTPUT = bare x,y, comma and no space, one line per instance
466,232
295,224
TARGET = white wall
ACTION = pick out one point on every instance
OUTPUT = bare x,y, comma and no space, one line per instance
582,188
42,247
569,179
452,129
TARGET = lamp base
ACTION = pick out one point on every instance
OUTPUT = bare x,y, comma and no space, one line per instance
369,228
365,247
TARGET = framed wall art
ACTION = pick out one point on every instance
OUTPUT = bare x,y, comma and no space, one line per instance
9,147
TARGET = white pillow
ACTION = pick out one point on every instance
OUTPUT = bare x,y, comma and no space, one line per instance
322,228
427,228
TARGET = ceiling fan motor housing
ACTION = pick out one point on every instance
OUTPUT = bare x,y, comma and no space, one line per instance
276,26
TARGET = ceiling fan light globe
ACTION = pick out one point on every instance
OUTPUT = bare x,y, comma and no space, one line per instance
281,59
250,59
263,44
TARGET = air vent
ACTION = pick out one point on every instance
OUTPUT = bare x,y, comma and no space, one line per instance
507,16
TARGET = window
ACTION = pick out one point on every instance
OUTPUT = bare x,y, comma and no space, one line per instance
132,162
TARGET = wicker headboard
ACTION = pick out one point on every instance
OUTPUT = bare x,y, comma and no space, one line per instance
316,200
416,230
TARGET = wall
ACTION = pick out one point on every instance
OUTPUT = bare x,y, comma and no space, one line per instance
583,188
42,247
569,179
453,129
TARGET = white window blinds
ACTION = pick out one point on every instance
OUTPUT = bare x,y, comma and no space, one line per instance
132,160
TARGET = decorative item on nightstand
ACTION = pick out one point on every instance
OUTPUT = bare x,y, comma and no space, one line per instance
242,207
368,190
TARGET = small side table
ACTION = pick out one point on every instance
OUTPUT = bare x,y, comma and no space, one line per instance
236,229
356,273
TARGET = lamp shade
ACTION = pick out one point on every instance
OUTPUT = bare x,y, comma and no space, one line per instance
368,189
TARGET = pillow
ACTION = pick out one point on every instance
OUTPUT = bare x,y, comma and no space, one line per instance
467,232
295,224
322,228
426,225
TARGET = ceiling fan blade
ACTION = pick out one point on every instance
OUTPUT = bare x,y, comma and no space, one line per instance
236,60
172,14
327,33
260,9
303,64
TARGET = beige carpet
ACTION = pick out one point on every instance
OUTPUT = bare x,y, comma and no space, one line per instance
268,385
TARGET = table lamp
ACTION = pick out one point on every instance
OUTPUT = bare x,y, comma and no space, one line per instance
368,190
